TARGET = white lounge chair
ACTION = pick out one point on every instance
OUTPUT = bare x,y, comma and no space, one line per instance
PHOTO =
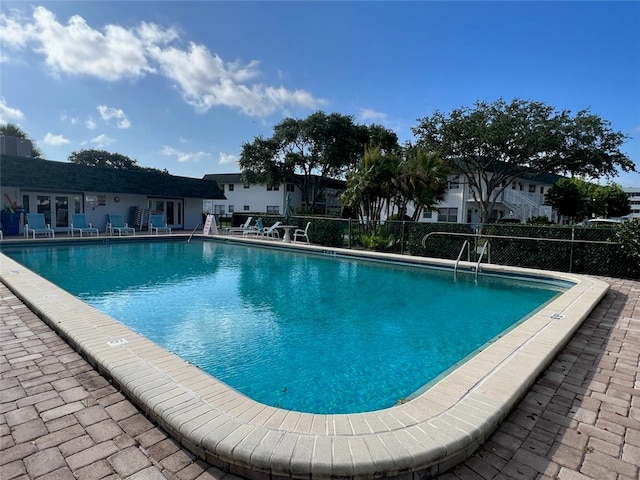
36,225
272,231
241,229
79,224
117,224
302,234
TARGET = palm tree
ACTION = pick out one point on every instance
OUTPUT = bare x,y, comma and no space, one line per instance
12,130
370,188
422,179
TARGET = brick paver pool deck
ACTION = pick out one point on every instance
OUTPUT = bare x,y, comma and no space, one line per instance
59,419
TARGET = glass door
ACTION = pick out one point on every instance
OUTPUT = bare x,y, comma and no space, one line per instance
174,213
62,212
43,205
172,210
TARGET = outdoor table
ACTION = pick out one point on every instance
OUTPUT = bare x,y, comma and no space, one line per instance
287,232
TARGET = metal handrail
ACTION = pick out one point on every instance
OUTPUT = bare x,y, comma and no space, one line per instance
193,233
455,267
484,247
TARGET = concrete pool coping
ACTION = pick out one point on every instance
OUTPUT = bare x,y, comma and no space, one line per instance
428,434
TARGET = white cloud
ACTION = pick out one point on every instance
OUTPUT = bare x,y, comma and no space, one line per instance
116,52
90,124
109,114
102,141
369,115
226,159
184,157
55,140
206,81
9,114
78,49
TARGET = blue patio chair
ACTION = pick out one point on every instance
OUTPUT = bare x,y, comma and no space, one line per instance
79,224
259,228
37,225
116,223
157,224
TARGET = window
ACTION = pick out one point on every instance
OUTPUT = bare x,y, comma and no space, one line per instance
448,215
231,186
541,190
290,187
273,209
218,209
230,208
426,214
246,208
222,187
532,189
273,188
453,183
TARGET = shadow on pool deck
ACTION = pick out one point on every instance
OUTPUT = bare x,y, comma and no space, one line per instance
59,419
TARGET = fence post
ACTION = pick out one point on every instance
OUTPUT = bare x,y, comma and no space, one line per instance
402,239
573,237
349,230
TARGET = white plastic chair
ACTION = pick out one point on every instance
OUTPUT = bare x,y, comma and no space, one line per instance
302,234
272,231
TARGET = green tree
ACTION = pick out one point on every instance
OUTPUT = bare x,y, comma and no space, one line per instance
611,201
319,148
370,186
12,130
567,199
102,158
422,179
494,143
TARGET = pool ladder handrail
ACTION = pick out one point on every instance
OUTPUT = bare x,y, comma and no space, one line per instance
485,247
455,267
193,233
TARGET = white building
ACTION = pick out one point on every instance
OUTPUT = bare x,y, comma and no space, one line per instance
634,196
524,199
242,198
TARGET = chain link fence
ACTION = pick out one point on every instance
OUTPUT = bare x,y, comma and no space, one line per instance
576,249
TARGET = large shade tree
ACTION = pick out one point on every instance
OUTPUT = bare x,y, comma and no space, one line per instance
319,148
492,144
12,130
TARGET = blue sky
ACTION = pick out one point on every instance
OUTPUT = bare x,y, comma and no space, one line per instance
182,85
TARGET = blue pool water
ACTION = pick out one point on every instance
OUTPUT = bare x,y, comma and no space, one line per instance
300,331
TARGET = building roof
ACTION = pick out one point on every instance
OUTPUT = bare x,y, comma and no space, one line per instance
224,178
47,175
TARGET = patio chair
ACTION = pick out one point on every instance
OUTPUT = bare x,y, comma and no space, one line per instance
272,231
259,228
302,234
242,228
36,224
116,223
157,224
79,224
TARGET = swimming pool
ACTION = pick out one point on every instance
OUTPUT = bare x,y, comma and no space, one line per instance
425,436
291,329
